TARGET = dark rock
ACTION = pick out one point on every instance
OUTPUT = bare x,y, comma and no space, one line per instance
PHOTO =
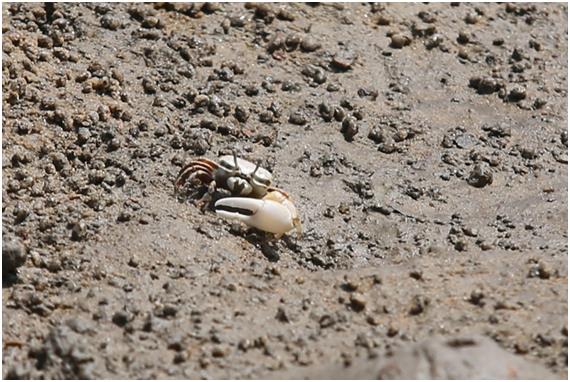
349,128
484,85
418,305
480,176
516,94
476,297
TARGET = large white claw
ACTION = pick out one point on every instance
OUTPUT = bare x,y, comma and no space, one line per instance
266,215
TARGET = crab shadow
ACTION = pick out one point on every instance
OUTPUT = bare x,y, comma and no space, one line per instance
268,246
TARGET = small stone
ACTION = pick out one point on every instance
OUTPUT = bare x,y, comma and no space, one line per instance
298,118
383,20
463,37
540,270
343,208
111,23
544,340
150,22
343,60
241,114
180,357
472,18
476,297
316,73
461,245
470,231
310,45
133,261
498,41
219,352
387,147
349,128
282,315
13,256
357,302
484,85
384,210
516,94
398,41
521,348
416,275
78,231
485,245
326,111
480,176
418,305
392,331
326,321
83,135
124,216
121,318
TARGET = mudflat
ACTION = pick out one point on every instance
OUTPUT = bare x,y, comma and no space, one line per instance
425,147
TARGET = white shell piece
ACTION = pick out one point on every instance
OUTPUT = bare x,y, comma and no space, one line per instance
267,215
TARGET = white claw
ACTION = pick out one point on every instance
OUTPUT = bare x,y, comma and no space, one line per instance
266,215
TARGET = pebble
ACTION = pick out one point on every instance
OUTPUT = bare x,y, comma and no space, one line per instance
461,245
476,297
339,113
398,41
78,231
472,18
310,44
484,85
282,315
121,318
326,321
480,176
463,37
518,93
13,256
540,270
343,60
383,20
326,111
349,128
315,73
418,305
219,352
416,275
110,22
298,118
357,302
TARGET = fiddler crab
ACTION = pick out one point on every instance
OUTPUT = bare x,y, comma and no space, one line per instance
254,201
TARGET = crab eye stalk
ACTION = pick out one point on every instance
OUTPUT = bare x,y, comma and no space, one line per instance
235,159
256,168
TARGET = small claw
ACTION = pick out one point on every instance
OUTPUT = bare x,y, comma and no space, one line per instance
266,215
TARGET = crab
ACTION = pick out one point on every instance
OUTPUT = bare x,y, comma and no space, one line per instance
254,201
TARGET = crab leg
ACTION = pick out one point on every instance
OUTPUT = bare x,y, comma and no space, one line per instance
266,215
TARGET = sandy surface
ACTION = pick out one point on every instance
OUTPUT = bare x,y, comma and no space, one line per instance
425,147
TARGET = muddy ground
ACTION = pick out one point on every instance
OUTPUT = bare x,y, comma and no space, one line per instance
425,147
